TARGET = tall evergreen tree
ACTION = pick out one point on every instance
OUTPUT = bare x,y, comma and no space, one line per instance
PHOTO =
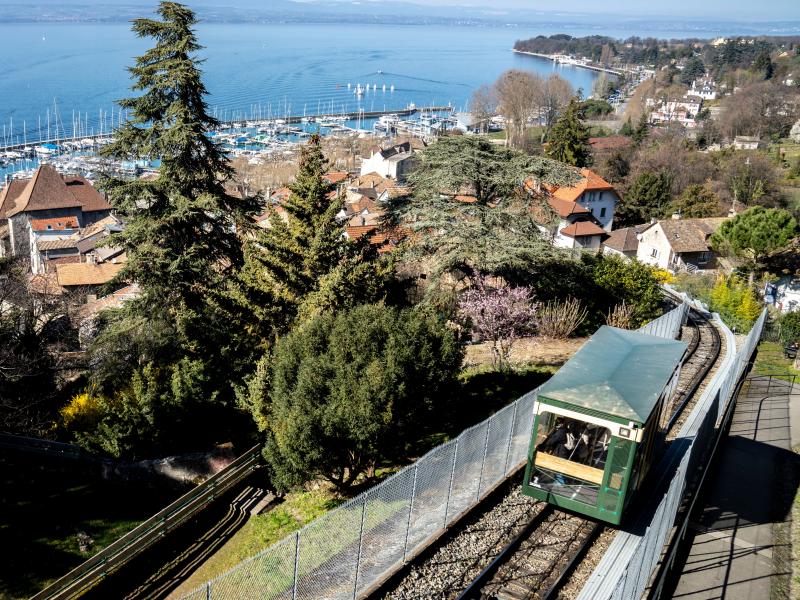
167,362
302,264
182,228
642,129
569,139
647,198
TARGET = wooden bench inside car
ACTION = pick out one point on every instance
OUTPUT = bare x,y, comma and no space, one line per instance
568,468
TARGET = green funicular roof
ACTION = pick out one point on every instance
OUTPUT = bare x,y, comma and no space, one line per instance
618,372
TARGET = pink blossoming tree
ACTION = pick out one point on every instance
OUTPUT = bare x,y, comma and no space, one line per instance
500,314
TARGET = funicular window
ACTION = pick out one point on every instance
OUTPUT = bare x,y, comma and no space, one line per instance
570,457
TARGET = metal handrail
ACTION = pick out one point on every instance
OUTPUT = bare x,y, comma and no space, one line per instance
135,541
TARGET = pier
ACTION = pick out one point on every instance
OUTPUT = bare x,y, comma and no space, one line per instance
242,123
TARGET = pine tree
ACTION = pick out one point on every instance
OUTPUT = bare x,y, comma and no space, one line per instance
755,234
302,263
642,129
627,128
569,139
166,363
181,234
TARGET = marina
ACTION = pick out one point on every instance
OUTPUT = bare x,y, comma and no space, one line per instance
255,139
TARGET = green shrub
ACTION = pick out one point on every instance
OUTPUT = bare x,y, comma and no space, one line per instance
341,393
789,327
735,301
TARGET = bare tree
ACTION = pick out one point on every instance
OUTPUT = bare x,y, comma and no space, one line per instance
554,98
518,97
761,109
483,106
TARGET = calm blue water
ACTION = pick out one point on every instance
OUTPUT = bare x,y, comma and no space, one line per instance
250,69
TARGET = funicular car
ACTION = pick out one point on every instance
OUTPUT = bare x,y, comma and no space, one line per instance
597,422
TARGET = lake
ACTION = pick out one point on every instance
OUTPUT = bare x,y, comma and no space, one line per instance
266,69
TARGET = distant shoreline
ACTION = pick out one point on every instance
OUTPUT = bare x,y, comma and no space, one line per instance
554,58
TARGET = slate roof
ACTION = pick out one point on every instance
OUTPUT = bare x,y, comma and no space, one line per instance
397,149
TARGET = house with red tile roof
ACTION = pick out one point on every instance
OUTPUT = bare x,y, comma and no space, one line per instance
570,225
564,215
594,194
43,215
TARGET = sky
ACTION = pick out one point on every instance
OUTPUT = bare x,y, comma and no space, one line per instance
780,10
605,12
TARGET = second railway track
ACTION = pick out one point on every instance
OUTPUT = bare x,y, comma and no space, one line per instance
545,547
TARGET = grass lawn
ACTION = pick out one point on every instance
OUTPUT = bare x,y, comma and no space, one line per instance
45,504
262,531
770,360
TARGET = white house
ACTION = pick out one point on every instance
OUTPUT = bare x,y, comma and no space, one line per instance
745,142
570,225
794,134
787,294
704,88
679,244
394,162
594,194
677,111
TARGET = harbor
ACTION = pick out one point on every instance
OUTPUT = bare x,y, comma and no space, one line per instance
257,140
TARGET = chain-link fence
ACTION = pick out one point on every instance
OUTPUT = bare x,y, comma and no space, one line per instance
625,570
351,549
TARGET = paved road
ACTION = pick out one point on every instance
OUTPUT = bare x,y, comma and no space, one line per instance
739,550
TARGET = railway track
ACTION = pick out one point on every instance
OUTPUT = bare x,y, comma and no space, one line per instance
704,349
543,557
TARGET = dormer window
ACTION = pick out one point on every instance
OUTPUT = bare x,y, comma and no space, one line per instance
49,227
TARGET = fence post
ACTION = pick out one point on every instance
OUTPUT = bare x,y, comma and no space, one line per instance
360,543
483,462
296,563
410,510
450,488
511,437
